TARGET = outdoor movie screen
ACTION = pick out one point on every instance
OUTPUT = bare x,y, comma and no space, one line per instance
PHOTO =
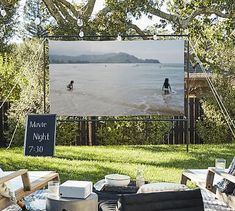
116,78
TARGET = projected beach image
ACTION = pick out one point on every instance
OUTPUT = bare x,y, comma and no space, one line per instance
116,78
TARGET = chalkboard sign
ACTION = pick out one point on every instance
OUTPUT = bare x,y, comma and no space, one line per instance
40,135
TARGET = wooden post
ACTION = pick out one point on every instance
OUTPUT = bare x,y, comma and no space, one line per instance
209,180
184,179
94,131
90,133
78,133
26,181
83,137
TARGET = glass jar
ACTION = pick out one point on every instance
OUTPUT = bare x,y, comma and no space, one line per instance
220,164
139,177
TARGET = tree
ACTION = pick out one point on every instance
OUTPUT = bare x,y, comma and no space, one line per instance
36,19
8,79
216,51
7,24
9,3
179,14
26,73
210,25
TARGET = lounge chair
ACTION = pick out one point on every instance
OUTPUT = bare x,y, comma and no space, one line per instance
207,179
24,182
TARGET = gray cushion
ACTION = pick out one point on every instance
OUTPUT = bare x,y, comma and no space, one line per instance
225,186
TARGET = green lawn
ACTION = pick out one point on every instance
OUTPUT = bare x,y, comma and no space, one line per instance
160,162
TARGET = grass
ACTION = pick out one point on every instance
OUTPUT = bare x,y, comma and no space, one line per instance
161,163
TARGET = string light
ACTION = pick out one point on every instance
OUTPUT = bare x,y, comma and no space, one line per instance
3,13
155,37
81,34
119,37
79,21
37,21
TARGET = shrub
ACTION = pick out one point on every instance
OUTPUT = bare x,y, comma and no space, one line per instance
134,132
211,127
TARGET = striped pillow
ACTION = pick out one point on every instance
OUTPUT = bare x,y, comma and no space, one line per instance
225,186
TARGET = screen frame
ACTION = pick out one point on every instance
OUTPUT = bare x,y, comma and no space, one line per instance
185,119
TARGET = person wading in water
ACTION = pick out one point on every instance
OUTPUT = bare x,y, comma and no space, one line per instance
70,86
166,87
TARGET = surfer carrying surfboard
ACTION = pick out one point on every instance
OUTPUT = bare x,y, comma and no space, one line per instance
70,86
166,87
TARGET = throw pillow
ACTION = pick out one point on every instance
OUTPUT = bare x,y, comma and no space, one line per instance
160,187
225,186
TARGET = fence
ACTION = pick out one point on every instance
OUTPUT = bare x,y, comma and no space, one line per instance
178,133
87,131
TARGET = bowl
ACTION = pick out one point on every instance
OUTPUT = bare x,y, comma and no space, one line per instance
117,180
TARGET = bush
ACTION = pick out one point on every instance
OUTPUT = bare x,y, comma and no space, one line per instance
66,133
211,127
134,132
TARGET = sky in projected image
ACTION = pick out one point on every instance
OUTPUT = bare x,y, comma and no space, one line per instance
166,51
113,78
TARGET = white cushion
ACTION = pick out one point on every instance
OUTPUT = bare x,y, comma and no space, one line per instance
4,189
17,183
160,187
13,207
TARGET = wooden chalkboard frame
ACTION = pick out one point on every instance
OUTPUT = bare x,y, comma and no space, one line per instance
26,142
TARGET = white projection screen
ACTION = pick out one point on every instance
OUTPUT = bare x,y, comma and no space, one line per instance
116,78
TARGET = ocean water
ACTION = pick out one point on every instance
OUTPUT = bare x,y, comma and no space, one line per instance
116,89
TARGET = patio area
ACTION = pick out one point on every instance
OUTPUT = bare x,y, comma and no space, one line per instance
112,105
160,163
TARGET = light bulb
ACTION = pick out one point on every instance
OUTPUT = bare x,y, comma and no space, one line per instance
79,22
81,34
119,38
155,37
37,21
3,13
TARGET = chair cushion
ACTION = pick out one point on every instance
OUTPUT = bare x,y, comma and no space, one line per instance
16,183
159,187
225,186
4,190
13,207
190,200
